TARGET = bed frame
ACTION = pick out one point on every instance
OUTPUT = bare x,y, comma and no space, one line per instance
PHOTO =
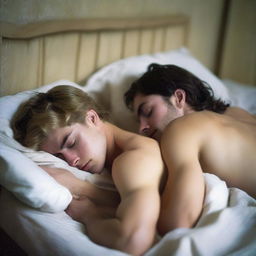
40,53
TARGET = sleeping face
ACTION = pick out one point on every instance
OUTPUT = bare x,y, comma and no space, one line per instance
80,145
155,113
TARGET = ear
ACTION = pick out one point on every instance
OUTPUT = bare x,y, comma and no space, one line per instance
179,98
91,117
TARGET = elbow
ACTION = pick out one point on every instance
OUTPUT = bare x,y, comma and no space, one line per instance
166,225
137,242
183,218
162,229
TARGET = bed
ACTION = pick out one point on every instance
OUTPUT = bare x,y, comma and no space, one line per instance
102,57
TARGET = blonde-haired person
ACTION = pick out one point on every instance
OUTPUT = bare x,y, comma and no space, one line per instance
67,123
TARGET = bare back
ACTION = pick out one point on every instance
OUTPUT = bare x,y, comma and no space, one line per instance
221,144
226,146
231,149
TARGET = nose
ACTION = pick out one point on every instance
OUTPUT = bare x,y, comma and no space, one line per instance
144,127
71,158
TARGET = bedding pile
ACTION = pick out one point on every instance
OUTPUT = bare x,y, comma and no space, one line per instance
107,86
227,225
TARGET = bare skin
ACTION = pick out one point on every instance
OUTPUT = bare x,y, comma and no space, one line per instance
196,142
204,142
136,168
84,189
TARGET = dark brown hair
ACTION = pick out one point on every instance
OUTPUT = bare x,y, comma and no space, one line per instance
165,79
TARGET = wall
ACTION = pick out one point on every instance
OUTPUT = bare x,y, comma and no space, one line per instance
205,16
239,51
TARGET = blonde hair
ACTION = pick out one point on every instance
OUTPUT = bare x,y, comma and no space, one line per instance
59,107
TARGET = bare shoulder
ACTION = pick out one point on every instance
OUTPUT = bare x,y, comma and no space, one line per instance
193,123
136,146
139,163
240,114
188,134
129,141
194,118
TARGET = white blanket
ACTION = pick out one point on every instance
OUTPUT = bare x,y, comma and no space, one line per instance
227,227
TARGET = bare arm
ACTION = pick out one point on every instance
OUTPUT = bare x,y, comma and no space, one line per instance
182,199
79,188
133,228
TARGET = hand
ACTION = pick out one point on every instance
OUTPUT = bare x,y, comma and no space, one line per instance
81,209
84,210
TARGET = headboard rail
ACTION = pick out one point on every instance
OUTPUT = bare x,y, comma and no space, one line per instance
22,31
40,53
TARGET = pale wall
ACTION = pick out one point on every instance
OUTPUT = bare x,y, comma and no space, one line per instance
205,16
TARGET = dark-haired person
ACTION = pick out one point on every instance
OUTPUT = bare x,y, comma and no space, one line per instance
67,123
197,133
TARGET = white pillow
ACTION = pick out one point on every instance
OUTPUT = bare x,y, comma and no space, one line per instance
18,173
29,183
242,95
109,84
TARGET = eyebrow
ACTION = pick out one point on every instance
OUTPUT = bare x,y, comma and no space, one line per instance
64,140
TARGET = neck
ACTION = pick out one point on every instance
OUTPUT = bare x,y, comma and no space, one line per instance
188,109
112,148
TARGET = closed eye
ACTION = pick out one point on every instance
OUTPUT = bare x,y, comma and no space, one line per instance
72,144
144,110
59,155
146,113
149,113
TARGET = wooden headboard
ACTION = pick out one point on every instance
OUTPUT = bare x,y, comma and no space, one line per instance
40,53
43,41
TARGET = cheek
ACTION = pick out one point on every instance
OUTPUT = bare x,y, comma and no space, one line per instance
81,150
83,147
155,121
159,116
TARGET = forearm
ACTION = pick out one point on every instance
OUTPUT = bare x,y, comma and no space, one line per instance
182,201
98,195
114,238
79,188
131,230
134,241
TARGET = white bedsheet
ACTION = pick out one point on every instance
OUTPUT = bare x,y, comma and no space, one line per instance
226,227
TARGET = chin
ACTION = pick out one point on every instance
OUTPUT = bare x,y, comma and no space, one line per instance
158,139
157,136
98,169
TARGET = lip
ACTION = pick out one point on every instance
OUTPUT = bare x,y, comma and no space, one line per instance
86,167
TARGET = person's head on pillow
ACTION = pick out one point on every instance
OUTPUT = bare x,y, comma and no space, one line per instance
166,92
44,112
